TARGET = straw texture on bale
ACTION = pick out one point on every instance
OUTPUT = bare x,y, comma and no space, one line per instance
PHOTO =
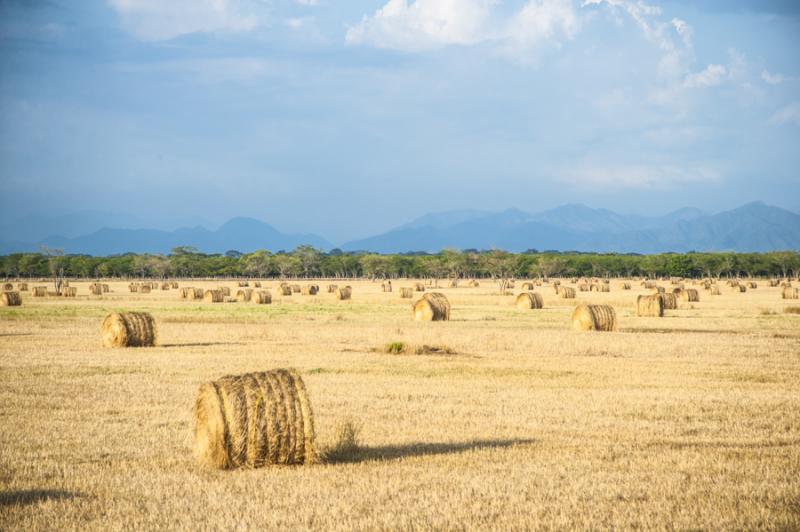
752,284
419,287
257,284
262,297
433,306
165,286
310,290
244,295
594,318
254,420
296,288
183,293
583,287
453,283
133,287
566,292
105,288
69,291
285,289
195,294
39,291
213,296
626,286
242,284
527,286
714,290
22,287
386,286
332,288
603,287
649,284
10,299
473,284
529,300
174,284
740,288
129,329
790,293
344,293
689,295
670,301
95,289
406,292
650,306
7,287
144,289
226,290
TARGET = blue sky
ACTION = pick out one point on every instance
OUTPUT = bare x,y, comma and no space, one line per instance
347,118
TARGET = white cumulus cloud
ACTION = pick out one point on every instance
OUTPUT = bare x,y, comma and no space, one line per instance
159,20
789,114
711,76
772,79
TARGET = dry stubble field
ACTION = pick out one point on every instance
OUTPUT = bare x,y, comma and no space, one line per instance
688,421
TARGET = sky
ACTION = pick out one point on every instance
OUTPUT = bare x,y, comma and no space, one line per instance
346,118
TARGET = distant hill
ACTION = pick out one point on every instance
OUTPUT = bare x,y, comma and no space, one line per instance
241,234
752,227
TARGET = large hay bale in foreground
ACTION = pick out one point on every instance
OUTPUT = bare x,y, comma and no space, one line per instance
344,293
529,300
670,301
406,292
433,306
790,293
594,318
566,292
254,420
244,295
262,297
650,306
129,329
213,296
10,299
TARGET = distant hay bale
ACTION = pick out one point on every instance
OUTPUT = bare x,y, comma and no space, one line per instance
752,284
7,287
594,318
226,290
648,284
790,293
690,295
344,293
670,301
245,295
659,290
183,293
332,288
96,290
433,306
129,329
714,290
626,286
650,306
22,287
195,294
243,284
165,286
261,297
406,292
105,288
285,290
310,290
144,289
39,291
257,284
529,300
740,288
603,287
419,287
454,283
386,286
774,282
296,288
583,287
566,292
174,285
254,420
10,299
69,291
213,296
133,287
473,283
527,286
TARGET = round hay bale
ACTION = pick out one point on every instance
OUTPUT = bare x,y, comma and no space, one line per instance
244,295
583,287
39,291
133,287
603,287
529,300
648,284
790,293
527,286
473,283
69,291
419,287
254,420
386,286
690,295
165,286
243,284
406,292
129,329
453,283
213,296
433,306
740,288
774,282
752,284
195,294
262,297
145,289
626,286
332,288
310,290
566,292
22,287
714,290
7,287
670,301
650,306
183,293
174,285
296,288
344,293
10,299
594,318
659,290
285,290
226,290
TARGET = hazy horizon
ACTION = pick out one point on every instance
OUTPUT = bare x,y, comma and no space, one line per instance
348,120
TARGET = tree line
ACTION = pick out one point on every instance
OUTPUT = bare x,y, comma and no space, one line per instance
307,262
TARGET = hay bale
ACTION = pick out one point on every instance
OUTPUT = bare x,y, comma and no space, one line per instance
226,290
419,287
332,288
254,420
386,286
752,284
256,284
213,296
245,295
296,289
594,318
473,283
670,301
690,295
105,288
774,283
95,289
174,285
133,287
183,293
145,289
39,291
310,290
129,329
243,284
650,306
527,286
603,287
344,293
433,306
648,284
22,287
165,286
285,290
566,292
714,290
626,286
69,291
529,300
406,292
261,297
740,288
790,293
7,287
195,294
10,299
583,287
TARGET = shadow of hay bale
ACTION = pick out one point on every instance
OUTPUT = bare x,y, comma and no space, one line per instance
410,450
27,497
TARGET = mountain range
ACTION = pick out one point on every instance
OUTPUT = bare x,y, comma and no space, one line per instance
754,227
